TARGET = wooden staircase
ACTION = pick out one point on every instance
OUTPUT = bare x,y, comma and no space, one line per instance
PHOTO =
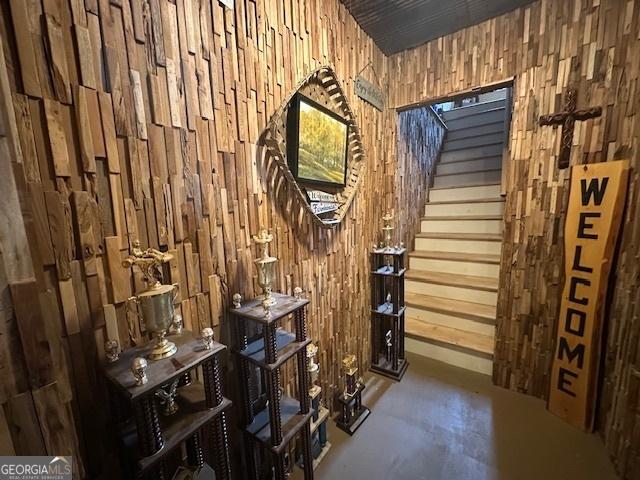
452,282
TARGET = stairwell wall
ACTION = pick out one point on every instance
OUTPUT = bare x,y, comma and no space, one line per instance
420,134
546,47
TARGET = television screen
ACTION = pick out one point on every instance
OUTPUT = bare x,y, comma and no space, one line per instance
318,143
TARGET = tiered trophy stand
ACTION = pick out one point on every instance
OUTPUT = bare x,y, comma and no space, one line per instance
272,420
319,444
388,309
142,379
352,412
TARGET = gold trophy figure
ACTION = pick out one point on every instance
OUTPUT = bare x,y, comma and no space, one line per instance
265,265
388,234
155,305
388,230
350,371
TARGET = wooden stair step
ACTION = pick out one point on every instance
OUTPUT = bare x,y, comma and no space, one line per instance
472,311
457,256
450,337
491,237
454,279
496,115
473,200
472,153
466,172
465,185
464,217
473,109
483,129
484,177
469,166
471,142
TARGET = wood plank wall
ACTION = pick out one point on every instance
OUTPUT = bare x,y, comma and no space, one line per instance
419,134
140,119
593,45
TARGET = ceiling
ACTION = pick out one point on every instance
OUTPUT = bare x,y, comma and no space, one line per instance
396,25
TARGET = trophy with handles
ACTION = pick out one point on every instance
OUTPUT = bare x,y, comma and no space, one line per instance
155,304
266,266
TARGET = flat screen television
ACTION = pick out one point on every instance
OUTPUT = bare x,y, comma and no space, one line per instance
317,140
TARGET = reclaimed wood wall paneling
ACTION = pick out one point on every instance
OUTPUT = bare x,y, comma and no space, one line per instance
548,46
141,119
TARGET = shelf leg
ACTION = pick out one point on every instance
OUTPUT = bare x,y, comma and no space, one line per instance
300,317
149,433
401,333
245,374
250,457
375,350
303,387
395,343
280,471
303,383
195,457
213,397
273,393
306,452
273,384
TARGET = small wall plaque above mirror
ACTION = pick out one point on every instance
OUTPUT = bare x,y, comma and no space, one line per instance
316,143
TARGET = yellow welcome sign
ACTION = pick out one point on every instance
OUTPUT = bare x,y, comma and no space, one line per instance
596,201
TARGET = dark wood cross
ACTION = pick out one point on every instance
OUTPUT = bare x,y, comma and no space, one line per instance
567,120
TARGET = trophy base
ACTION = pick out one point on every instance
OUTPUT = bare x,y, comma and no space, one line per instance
163,351
384,367
354,422
170,409
269,301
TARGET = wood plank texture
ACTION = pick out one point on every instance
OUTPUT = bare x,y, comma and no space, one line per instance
547,47
141,120
448,336
176,118
418,138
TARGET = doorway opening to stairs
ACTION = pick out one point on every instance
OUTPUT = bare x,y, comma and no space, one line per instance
452,282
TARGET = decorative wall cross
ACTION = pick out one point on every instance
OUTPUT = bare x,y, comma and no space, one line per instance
567,120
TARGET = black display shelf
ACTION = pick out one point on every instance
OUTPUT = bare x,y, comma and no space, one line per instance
388,312
146,437
286,347
285,305
387,309
385,367
291,419
189,418
389,271
353,412
271,430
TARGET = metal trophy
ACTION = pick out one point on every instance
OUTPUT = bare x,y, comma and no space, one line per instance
350,371
387,230
265,265
388,234
312,367
388,344
167,396
154,305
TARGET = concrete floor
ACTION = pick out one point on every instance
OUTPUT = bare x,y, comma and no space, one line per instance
442,422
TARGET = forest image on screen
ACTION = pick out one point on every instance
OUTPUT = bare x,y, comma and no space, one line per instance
322,143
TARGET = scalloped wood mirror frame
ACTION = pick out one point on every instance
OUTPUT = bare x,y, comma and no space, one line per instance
323,87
